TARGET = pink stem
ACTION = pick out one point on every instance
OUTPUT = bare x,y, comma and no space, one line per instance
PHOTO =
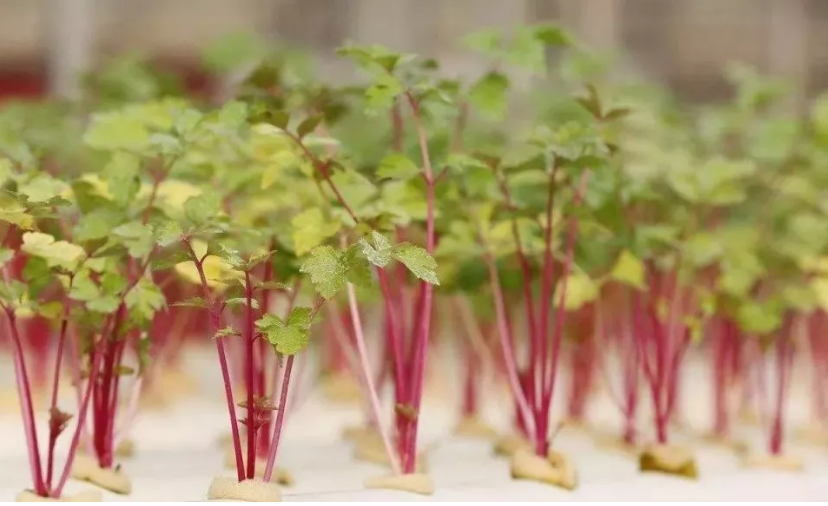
24,394
280,416
369,379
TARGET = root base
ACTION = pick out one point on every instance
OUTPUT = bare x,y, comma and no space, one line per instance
280,476
506,446
87,469
371,450
553,470
228,489
474,427
786,463
668,459
416,483
85,496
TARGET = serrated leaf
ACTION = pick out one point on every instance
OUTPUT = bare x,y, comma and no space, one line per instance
358,270
105,304
56,253
629,270
288,340
418,261
488,95
326,271
202,208
310,229
96,225
42,189
168,233
355,188
136,237
300,316
145,299
397,166
380,252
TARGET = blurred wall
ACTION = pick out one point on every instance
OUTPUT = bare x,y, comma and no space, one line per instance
682,42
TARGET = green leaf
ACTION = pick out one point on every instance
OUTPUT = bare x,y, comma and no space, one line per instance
397,166
552,35
326,271
96,225
308,125
300,316
418,261
42,189
380,253
168,233
136,237
83,288
488,95
382,92
241,301
145,299
202,208
105,304
56,253
116,131
629,270
121,176
358,270
354,187
310,229
288,338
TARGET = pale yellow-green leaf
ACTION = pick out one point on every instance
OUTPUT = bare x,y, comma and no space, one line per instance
310,229
629,270
580,290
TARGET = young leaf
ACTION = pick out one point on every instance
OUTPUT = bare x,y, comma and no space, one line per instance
310,229
168,233
380,253
488,95
418,261
201,208
56,253
326,271
300,316
397,166
136,237
628,270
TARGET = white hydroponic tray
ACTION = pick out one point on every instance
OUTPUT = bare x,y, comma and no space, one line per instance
177,456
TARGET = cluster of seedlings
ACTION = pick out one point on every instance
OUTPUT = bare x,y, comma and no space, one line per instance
566,222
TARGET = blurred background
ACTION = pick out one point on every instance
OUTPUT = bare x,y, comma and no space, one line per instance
682,43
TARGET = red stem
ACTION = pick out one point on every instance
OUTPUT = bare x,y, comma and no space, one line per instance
425,314
215,321
53,435
27,411
249,373
280,416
